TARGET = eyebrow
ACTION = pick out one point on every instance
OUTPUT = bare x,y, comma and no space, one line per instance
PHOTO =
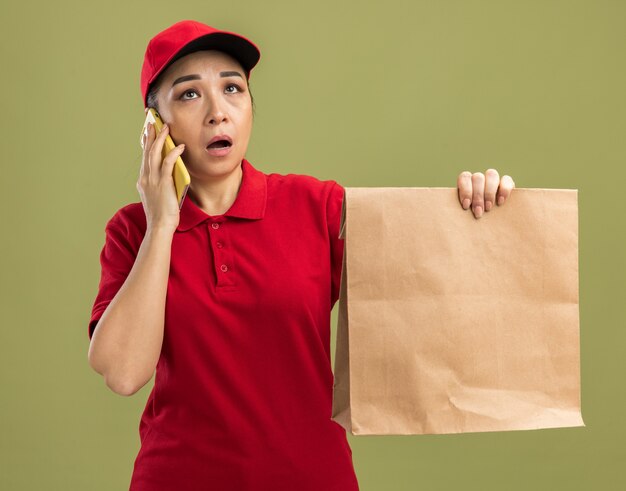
195,76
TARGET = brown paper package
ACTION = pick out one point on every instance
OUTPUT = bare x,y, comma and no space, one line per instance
452,324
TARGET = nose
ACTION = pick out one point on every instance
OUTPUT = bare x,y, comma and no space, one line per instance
216,112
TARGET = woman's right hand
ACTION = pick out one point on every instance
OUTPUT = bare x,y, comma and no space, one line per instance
156,184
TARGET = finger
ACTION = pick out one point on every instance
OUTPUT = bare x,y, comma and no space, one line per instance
504,191
478,192
150,136
144,161
464,185
170,159
156,150
144,137
492,179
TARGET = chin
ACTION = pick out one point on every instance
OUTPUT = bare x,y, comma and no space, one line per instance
210,166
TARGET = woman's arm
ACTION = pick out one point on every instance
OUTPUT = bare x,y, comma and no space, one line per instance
126,344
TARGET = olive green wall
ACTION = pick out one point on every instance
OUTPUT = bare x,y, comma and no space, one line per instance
394,93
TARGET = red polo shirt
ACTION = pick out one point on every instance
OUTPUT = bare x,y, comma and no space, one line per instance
242,397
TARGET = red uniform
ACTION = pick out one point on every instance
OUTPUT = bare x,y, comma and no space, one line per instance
243,389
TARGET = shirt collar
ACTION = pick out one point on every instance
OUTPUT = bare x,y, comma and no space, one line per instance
249,203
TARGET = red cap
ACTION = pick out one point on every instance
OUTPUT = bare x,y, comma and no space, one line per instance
188,36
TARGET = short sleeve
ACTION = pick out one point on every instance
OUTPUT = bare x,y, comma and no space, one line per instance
333,217
116,260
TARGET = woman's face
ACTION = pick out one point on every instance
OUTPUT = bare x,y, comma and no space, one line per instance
203,95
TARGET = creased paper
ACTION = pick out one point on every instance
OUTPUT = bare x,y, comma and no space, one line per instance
451,324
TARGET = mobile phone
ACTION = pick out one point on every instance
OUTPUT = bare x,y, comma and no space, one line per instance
179,173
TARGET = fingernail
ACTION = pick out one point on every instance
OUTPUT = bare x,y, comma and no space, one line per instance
478,211
488,205
466,203
500,200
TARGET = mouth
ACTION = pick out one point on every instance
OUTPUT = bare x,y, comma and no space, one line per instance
219,145
220,141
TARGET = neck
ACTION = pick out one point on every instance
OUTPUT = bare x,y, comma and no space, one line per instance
216,196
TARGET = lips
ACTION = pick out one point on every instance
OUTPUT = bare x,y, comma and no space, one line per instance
220,141
219,146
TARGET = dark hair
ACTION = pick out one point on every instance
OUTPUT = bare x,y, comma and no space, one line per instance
153,89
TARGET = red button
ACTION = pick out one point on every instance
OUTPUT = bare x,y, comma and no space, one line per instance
224,268
215,225
219,245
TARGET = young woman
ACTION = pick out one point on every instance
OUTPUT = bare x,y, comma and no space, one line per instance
229,298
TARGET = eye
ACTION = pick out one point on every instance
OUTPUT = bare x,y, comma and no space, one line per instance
235,86
182,96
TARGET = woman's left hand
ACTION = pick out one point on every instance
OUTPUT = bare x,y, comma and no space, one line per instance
481,191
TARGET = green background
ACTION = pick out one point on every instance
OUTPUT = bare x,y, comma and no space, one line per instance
394,93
